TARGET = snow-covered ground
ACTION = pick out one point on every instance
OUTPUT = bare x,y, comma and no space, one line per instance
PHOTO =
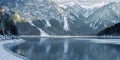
6,54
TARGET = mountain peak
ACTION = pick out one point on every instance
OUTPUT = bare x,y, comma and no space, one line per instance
105,16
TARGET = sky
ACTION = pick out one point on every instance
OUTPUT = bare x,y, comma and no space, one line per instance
91,1
94,1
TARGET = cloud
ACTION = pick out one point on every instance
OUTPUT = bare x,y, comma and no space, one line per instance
90,1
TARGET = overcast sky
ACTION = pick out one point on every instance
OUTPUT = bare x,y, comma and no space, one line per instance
91,1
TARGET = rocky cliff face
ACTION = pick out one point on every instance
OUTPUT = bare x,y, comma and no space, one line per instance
27,29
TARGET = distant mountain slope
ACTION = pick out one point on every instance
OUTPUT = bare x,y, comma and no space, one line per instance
105,16
69,18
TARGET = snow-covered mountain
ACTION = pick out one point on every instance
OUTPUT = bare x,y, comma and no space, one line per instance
105,16
85,8
67,18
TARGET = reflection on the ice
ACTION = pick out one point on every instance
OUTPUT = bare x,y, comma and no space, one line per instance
67,49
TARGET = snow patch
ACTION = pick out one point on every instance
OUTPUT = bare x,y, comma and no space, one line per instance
66,25
42,32
83,5
91,6
8,55
48,23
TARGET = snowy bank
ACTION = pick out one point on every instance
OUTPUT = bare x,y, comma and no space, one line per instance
5,50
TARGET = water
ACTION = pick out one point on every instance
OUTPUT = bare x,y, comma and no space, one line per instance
37,48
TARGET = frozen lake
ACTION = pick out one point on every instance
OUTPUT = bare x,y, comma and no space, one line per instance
83,48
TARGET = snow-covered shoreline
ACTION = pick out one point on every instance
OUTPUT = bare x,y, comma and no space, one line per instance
5,50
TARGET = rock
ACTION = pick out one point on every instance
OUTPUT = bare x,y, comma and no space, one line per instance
55,29
25,28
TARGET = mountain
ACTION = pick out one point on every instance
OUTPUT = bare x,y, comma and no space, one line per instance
85,9
47,17
104,16
25,28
